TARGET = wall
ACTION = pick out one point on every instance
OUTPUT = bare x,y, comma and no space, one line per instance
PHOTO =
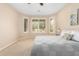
8,25
63,20
29,34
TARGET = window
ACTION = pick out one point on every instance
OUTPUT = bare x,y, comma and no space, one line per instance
25,25
38,25
52,24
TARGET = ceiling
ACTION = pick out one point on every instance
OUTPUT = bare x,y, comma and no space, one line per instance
38,9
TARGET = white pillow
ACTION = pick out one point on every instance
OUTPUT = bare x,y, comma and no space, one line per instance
65,31
74,33
76,36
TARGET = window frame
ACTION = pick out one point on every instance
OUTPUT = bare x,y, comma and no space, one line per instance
39,19
53,17
27,29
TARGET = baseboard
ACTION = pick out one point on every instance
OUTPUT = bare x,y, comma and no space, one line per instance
7,45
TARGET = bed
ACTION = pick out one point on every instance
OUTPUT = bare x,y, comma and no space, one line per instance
55,46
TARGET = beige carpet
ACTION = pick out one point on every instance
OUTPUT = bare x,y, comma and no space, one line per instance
20,48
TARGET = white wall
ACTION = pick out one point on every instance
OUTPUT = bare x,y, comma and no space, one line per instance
63,19
30,34
8,25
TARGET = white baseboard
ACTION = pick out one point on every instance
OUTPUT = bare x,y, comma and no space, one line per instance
7,45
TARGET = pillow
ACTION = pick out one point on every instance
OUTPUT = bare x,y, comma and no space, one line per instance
67,36
65,31
76,36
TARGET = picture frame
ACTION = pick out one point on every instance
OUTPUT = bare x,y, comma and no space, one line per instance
74,19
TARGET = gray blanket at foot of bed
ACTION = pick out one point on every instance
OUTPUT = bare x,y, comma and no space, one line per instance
69,49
